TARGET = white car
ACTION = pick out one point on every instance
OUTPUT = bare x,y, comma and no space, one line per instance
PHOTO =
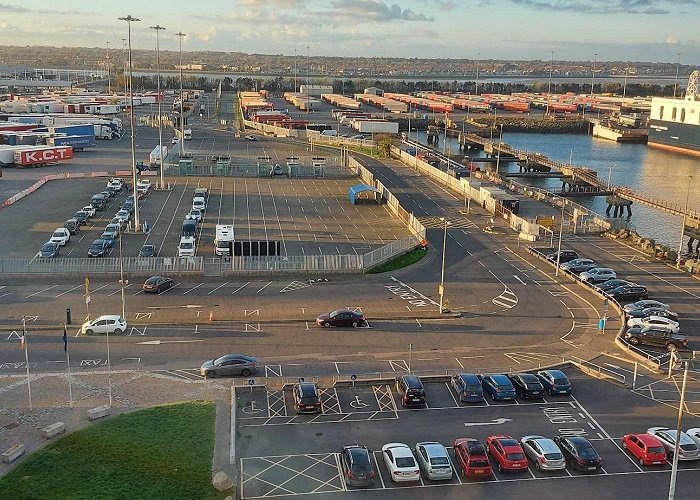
123,215
116,182
688,449
400,462
434,461
643,304
143,185
658,322
198,204
694,434
598,275
194,215
544,453
110,323
89,209
60,236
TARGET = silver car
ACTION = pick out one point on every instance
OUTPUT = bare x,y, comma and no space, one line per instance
688,450
230,364
544,452
433,460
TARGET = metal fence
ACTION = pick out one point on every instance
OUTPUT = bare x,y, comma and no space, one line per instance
293,263
382,254
106,265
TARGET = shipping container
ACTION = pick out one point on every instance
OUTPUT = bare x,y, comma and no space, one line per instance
40,156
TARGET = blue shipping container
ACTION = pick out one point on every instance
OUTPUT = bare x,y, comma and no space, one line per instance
79,142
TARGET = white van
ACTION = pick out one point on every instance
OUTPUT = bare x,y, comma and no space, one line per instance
330,133
186,248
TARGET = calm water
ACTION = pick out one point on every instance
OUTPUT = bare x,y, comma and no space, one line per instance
653,172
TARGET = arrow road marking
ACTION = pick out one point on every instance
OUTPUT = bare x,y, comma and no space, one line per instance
518,278
496,421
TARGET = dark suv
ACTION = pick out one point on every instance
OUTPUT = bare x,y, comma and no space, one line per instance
72,225
527,385
411,390
628,293
307,398
566,256
658,338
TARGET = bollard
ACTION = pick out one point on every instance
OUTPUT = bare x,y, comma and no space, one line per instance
68,319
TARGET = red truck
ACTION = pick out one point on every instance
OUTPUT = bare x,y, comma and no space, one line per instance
42,156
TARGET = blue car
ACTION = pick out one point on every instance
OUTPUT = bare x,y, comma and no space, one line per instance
498,387
468,387
109,237
554,382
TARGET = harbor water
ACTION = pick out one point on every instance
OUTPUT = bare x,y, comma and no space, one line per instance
650,171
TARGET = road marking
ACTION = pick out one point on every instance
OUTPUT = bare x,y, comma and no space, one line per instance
518,278
240,287
193,288
264,287
41,291
158,342
496,421
68,291
215,289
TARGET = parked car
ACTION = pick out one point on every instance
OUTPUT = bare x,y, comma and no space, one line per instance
638,335
555,382
229,364
652,311
108,323
433,461
694,434
342,317
156,284
307,398
507,452
143,185
470,457
411,391
643,304
356,465
119,222
72,225
468,387
99,202
98,248
688,449
597,275
109,237
61,236
107,195
579,453
626,293
194,215
498,387
658,322
123,214
543,452
648,449
199,204
112,190
81,217
90,210
400,462
127,204
148,251
49,250
577,266
250,138
117,182
113,228
566,256
611,284
527,385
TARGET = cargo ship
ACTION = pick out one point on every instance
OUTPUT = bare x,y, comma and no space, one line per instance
674,124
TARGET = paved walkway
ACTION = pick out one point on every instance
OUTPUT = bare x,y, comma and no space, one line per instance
131,390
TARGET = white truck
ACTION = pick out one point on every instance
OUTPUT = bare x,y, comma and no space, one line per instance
223,242
157,155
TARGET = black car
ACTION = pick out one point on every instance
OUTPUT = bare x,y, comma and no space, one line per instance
652,311
49,250
72,225
307,398
357,466
527,385
342,317
628,293
128,204
411,390
579,453
156,284
98,202
107,194
148,251
566,256
82,217
637,335
611,284
98,248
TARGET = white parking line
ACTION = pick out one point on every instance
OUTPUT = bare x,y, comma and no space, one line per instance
193,288
240,287
41,291
215,289
68,291
264,287
449,389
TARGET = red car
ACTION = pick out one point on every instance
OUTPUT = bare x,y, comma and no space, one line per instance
471,458
646,448
508,453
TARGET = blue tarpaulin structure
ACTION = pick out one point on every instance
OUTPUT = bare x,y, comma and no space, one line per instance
360,188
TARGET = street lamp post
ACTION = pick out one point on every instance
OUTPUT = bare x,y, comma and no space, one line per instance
476,86
610,175
129,19
444,144
109,72
549,84
295,71
308,88
158,29
595,59
675,82
180,35
500,143
685,213
624,89
679,424
441,290
561,231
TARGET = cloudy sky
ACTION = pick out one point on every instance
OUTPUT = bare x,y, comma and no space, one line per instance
628,30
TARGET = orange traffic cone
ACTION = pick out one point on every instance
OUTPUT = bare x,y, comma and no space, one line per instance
211,315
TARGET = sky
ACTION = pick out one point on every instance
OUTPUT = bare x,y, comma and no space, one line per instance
615,30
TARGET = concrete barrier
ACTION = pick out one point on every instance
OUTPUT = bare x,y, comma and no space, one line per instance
13,453
53,430
99,412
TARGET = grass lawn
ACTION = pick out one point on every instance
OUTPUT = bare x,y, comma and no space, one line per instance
162,452
404,260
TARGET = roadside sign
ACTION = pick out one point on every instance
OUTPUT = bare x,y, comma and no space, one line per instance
441,289
87,299
87,285
353,377
251,381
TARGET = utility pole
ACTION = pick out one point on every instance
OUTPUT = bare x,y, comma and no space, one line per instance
109,72
181,35
158,29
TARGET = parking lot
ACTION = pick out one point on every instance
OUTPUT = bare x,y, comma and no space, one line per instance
283,454
307,218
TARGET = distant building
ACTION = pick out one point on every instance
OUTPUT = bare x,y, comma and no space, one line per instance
316,90
374,91
191,66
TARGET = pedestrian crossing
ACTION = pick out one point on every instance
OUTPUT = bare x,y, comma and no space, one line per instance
453,222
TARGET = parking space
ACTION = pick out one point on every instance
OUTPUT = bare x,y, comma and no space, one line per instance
585,414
